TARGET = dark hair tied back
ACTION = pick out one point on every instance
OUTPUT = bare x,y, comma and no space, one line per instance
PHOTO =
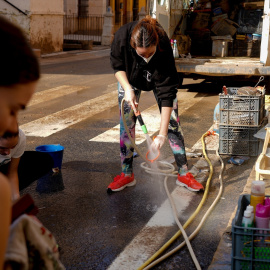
146,33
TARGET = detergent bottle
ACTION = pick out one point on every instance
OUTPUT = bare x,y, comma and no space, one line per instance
247,220
257,193
175,49
267,201
172,43
251,209
262,216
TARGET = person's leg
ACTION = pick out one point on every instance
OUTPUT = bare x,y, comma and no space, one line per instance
32,166
126,149
176,140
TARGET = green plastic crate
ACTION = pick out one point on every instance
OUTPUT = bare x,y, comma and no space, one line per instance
250,247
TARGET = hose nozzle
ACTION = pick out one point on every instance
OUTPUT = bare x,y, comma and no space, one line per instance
139,117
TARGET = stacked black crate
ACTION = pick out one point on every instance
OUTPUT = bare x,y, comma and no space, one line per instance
241,116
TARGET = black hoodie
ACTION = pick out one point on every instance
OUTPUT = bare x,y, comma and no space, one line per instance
159,73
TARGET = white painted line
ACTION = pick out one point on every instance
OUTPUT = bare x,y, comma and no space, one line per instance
56,92
154,234
55,122
151,118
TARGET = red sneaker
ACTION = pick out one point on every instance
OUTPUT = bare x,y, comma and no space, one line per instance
120,182
189,182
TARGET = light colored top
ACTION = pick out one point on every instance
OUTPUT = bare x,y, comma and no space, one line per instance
17,151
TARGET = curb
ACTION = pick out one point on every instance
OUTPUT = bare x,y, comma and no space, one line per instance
75,52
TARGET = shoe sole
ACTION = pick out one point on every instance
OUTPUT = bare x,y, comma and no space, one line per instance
184,185
131,184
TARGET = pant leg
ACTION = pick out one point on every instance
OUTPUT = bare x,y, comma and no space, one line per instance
32,166
175,137
126,148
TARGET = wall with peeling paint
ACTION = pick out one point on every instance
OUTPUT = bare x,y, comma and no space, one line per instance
15,15
41,20
46,33
46,26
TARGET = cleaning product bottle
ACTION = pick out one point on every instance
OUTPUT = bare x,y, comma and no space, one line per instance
267,201
257,193
216,119
175,49
247,220
262,216
172,43
251,209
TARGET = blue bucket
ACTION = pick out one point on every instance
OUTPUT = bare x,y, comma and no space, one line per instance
55,150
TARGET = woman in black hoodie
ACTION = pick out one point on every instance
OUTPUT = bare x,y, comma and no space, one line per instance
142,59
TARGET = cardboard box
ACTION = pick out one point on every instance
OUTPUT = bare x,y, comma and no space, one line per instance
201,21
224,27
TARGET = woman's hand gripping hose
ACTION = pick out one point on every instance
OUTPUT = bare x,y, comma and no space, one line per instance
158,142
130,98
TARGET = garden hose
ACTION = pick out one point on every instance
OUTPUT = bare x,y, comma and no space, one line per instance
171,172
152,262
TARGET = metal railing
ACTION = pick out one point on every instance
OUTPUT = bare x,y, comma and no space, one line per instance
83,28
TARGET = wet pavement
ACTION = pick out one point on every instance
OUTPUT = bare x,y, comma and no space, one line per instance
121,231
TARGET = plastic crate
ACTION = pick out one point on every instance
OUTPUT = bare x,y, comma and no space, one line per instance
250,247
239,109
238,140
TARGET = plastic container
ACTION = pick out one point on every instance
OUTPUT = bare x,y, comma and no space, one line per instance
238,140
250,247
55,150
241,109
262,216
247,220
257,193
175,49
251,209
256,36
216,119
267,201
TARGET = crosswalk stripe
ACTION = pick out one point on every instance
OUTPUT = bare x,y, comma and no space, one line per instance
50,124
150,116
154,234
151,119
53,93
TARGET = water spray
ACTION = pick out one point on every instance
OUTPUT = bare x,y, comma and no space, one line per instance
152,153
170,171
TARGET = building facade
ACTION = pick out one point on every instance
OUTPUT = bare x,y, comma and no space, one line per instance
41,20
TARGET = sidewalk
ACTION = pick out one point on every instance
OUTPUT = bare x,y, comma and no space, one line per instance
72,52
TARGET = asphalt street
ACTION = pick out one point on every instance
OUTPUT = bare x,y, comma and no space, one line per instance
76,106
